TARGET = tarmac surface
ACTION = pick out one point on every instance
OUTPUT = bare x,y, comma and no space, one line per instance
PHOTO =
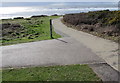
75,47
106,49
62,51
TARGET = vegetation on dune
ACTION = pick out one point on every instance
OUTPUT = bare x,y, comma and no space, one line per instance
21,30
52,73
101,23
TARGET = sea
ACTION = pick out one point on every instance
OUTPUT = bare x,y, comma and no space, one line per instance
28,9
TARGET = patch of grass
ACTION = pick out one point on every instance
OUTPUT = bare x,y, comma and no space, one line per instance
0,75
52,73
26,30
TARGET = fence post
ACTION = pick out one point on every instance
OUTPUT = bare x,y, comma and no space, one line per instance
51,29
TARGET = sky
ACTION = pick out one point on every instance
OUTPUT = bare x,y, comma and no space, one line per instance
59,0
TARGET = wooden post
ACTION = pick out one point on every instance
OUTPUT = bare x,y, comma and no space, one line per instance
51,29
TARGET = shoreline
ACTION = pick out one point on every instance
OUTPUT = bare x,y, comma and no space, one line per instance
12,17
25,17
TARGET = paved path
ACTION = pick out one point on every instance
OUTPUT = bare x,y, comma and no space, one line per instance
105,49
106,72
71,49
60,51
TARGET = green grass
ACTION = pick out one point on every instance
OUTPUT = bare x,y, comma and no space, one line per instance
0,75
35,29
52,73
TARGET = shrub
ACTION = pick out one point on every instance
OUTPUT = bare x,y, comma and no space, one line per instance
105,22
19,18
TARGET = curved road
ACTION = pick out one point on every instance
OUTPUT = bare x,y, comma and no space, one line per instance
105,49
75,47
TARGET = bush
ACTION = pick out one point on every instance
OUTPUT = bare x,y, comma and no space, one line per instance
105,17
38,16
19,18
104,22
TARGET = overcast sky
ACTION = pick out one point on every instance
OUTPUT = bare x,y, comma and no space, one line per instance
59,0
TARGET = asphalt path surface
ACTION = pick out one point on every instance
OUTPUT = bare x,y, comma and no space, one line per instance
106,49
62,51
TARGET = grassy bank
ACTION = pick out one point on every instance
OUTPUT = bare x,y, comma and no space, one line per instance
21,30
53,73
100,23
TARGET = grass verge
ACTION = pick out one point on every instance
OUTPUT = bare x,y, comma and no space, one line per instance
16,31
52,73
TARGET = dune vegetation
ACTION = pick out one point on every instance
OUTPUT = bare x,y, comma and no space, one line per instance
20,30
105,23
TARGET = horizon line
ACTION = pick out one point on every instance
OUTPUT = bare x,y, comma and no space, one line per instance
62,1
